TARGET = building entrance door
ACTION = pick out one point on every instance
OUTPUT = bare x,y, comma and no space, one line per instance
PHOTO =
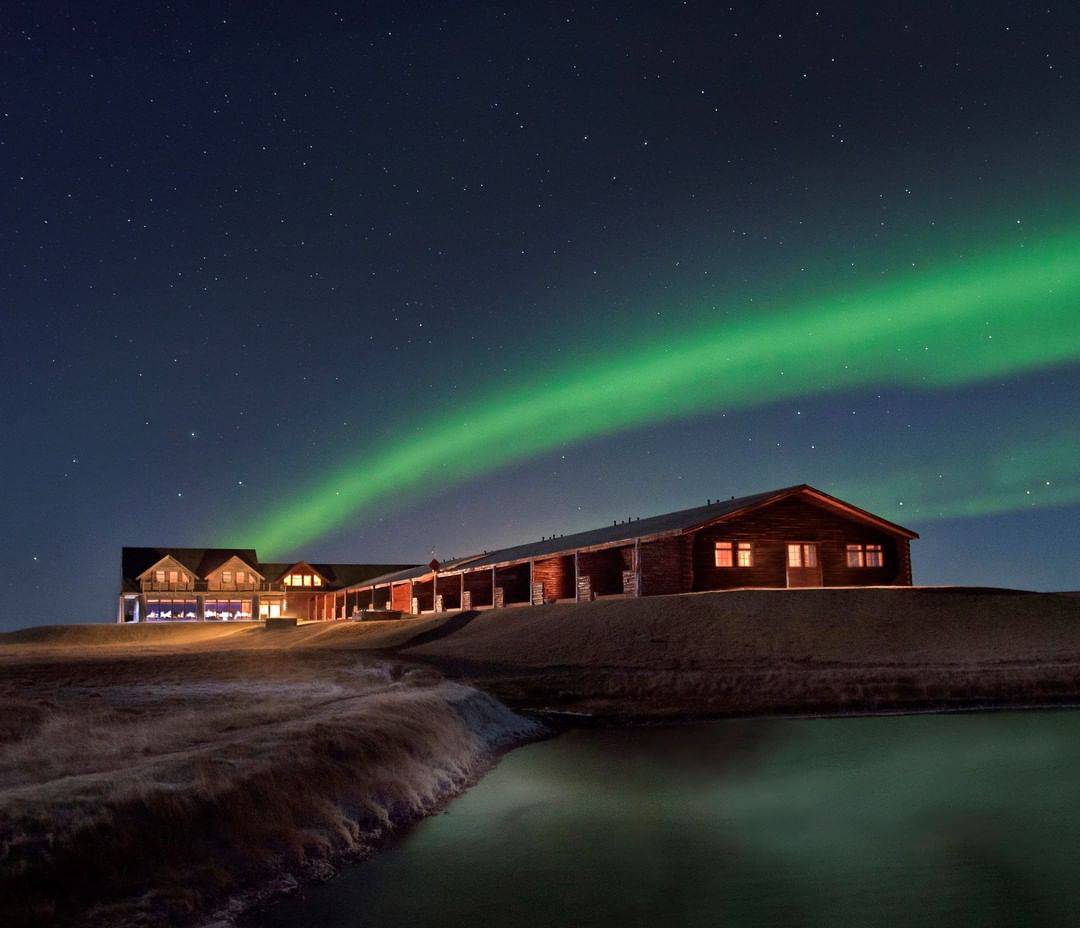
803,564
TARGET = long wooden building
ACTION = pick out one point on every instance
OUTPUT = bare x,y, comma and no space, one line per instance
792,537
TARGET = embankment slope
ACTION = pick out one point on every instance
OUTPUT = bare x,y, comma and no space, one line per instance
754,651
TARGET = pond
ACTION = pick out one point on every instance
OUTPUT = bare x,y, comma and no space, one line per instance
916,820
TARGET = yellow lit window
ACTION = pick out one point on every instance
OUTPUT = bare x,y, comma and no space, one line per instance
799,555
226,576
316,581
159,576
307,579
734,554
724,554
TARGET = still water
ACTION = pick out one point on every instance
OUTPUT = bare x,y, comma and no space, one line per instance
917,820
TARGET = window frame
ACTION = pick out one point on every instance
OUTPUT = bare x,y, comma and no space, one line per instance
865,553
802,547
734,552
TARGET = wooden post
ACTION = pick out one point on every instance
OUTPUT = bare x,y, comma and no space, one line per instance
577,595
637,566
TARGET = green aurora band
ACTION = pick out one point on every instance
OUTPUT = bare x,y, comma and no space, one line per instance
1003,313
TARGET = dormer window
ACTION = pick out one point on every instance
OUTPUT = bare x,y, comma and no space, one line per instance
159,576
303,580
226,576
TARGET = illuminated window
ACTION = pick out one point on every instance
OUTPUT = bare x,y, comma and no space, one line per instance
159,576
226,576
316,581
734,554
307,579
228,610
171,609
724,555
802,555
865,556
173,576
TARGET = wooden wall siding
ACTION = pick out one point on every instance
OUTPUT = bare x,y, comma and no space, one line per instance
770,528
514,581
304,605
903,552
401,597
449,588
666,565
604,568
478,586
557,576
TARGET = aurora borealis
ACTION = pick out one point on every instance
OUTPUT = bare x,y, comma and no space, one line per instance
386,282
1001,314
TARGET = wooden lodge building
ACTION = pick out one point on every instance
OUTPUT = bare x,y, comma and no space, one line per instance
793,537
226,584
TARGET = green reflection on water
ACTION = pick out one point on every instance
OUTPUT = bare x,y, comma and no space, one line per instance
919,820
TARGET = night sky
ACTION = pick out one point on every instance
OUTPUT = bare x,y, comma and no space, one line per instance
380,281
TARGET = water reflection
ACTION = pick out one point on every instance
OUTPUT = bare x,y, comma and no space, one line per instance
924,820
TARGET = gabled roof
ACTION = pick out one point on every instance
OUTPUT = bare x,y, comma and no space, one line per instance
335,575
168,562
204,561
277,571
252,565
670,523
200,561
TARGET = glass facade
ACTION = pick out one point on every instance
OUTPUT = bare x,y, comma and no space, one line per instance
158,609
228,610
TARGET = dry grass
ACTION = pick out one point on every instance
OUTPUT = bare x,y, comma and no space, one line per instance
153,792
775,651
148,775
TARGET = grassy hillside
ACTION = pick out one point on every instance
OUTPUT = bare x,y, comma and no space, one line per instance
745,651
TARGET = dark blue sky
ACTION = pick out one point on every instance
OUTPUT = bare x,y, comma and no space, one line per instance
243,241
